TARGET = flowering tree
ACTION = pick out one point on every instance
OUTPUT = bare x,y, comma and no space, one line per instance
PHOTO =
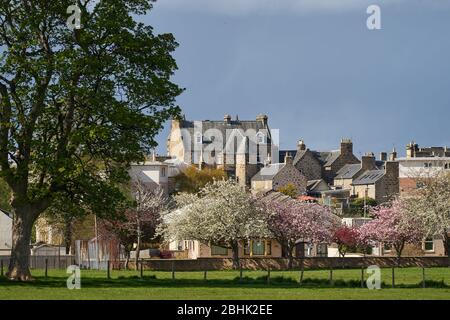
291,220
431,205
138,223
393,224
222,213
346,238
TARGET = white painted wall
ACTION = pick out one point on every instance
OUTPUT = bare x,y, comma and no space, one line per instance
5,234
156,174
415,167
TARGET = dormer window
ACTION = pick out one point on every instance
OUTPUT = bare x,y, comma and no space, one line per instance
260,138
198,138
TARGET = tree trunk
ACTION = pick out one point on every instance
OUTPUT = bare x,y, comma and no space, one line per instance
127,259
290,255
138,252
446,240
68,236
235,249
20,252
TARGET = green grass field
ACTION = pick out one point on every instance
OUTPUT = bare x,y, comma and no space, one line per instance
227,285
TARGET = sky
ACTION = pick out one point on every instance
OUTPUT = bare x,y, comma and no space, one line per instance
315,69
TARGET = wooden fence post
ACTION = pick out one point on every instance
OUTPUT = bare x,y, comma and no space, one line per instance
142,269
302,273
46,267
205,275
331,275
173,270
393,277
108,266
362,277
423,277
1,267
268,276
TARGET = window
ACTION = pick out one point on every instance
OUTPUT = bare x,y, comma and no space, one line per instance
268,248
247,248
322,250
428,244
163,172
198,138
258,248
218,251
260,139
387,247
428,165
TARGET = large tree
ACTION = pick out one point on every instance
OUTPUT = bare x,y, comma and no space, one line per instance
291,221
393,225
223,213
77,106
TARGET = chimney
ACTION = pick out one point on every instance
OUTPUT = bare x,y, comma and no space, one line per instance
346,147
227,119
411,149
383,156
301,145
288,158
393,155
368,162
262,118
392,169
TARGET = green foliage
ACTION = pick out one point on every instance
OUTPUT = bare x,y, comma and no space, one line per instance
5,195
289,190
192,180
356,207
77,107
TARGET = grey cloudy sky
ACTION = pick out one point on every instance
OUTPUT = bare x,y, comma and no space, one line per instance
315,69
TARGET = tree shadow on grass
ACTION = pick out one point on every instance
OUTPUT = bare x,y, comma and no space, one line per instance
246,282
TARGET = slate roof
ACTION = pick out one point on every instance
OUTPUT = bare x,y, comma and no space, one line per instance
194,126
325,158
268,172
274,195
369,177
312,184
348,171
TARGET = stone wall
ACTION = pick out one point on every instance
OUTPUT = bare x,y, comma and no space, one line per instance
203,264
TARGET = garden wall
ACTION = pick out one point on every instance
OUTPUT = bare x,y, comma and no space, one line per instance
203,264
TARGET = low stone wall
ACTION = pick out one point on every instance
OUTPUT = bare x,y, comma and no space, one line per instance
203,264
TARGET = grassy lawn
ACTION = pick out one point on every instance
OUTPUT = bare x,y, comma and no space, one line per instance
226,285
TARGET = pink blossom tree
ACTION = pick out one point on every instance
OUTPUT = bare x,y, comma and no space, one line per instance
138,223
393,225
291,220
346,238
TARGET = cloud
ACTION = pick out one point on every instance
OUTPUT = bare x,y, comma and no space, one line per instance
245,7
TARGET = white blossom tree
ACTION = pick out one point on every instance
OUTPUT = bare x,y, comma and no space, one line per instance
222,213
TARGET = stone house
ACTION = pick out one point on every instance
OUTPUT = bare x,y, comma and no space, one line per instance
381,185
350,172
316,165
278,175
240,147
419,163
